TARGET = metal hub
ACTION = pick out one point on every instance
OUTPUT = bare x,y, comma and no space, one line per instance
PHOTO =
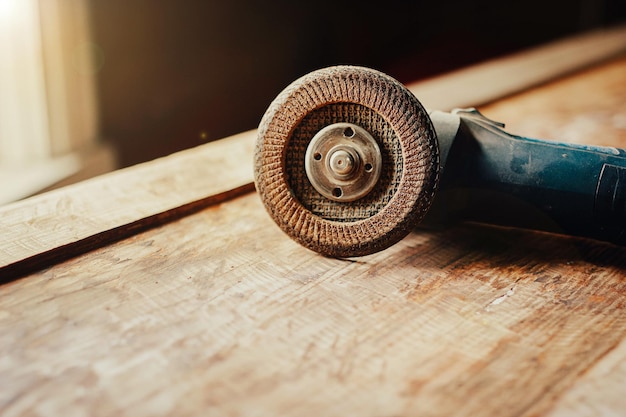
343,162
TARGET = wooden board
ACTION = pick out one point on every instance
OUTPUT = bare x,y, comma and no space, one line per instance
49,228
589,107
218,313
63,223
494,79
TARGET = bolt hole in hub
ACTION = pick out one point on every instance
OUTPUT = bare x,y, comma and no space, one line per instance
343,162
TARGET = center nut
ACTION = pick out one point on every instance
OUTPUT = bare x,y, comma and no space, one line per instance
343,162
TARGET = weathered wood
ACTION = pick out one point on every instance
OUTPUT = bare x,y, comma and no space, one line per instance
220,313
63,223
497,78
600,390
45,229
586,108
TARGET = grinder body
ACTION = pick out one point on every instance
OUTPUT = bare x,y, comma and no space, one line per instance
348,162
491,176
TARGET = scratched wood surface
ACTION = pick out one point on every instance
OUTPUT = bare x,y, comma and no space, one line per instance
218,313
55,226
588,107
67,222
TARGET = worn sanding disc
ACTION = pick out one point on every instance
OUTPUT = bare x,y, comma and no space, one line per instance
403,188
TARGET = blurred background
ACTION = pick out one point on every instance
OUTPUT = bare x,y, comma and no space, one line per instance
118,82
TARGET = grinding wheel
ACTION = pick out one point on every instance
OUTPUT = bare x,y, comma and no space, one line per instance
346,161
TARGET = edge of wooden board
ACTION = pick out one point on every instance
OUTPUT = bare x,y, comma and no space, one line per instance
63,223
497,78
48,228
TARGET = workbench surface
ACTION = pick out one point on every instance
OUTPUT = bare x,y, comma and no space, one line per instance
210,309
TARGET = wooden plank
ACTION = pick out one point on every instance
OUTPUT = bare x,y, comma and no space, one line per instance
591,108
60,224
219,313
33,232
600,391
30,179
497,78
586,108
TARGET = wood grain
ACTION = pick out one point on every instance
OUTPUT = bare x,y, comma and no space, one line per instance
492,80
588,107
219,313
40,231
600,390
57,225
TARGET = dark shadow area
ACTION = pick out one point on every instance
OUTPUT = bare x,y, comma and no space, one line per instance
513,247
180,73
